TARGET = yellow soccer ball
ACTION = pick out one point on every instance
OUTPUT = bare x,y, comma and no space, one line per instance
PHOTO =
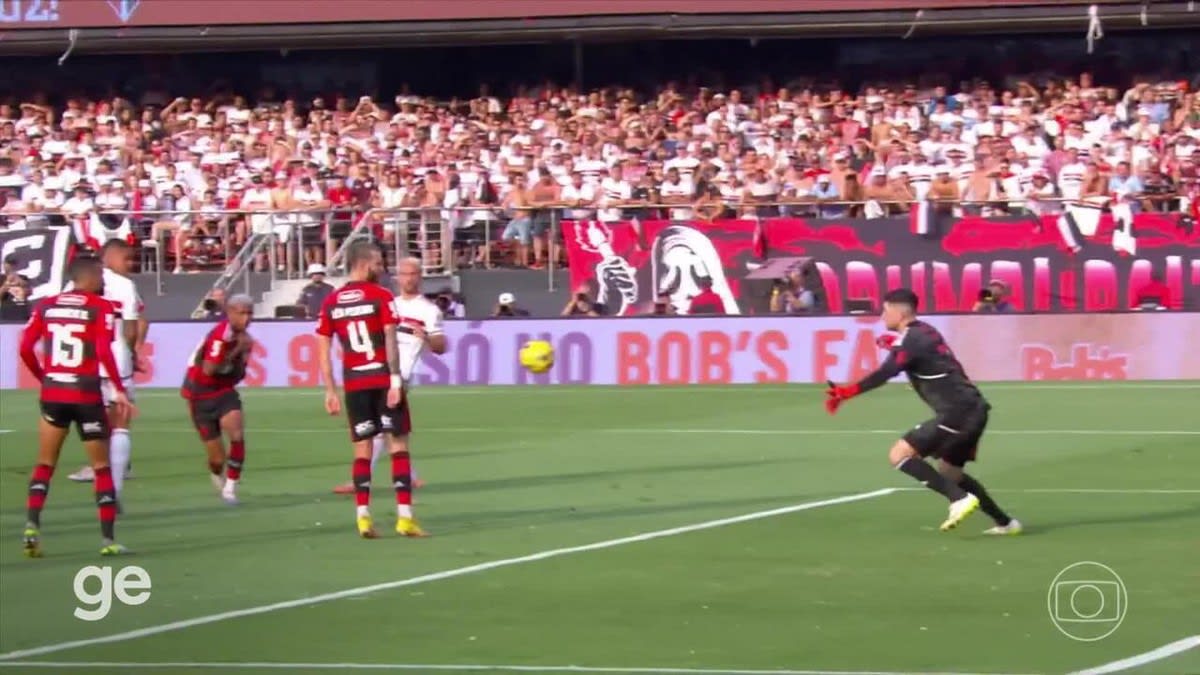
537,356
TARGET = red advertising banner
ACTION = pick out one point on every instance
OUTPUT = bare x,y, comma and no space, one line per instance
142,13
629,264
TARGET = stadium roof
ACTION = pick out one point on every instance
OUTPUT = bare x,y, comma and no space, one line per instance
116,26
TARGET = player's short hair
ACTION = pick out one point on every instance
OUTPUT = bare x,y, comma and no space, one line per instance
240,300
81,266
115,245
359,252
411,260
902,296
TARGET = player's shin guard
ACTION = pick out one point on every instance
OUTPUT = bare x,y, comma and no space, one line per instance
106,501
986,502
237,457
402,481
930,478
39,489
361,475
119,450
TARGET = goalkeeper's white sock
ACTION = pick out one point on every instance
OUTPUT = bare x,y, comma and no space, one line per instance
119,450
378,449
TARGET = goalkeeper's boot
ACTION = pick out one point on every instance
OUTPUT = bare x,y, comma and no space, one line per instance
366,528
112,548
408,527
1013,527
959,511
32,542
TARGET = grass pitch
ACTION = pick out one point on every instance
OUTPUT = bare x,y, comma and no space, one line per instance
602,529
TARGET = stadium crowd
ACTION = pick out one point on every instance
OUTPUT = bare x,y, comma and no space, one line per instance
199,174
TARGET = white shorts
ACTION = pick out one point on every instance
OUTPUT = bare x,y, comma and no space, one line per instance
107,390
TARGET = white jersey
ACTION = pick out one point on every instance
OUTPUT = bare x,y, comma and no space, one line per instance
415,312
127,306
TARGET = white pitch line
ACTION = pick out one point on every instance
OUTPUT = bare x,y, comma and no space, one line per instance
457,668
718,432
1163,652
475,390
438,576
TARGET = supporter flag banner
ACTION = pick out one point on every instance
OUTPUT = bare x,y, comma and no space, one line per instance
707,351
863,259
39,255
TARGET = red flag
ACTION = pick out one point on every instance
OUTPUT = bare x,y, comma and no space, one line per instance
760,238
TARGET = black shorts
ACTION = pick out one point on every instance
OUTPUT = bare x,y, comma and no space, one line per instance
369,414
953,438
207,413
91,419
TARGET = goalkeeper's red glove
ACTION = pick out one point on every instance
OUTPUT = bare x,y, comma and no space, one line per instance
886,340
837,394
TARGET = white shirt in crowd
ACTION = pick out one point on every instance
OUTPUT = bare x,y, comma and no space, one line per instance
420,312
612,190
585,193
683,188
1070,179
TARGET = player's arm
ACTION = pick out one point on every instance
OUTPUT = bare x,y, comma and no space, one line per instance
435,334
325,347
216,353
391,346
104,352
896,362
34,331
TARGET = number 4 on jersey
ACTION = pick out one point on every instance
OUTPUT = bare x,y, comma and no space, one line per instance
359,337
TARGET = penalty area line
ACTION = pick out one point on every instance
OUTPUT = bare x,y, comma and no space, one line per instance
456,668
437,576
1139,660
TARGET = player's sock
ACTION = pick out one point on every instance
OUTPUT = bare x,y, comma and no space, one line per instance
106,501
39,489
378,449
361,476
119,449
402,481
986,502
928,476
237,457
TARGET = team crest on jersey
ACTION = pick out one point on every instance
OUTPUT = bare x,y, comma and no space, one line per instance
72,300
347,297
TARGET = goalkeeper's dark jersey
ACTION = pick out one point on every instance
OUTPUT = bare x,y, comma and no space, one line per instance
933,370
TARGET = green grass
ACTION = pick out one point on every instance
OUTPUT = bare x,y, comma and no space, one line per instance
868,585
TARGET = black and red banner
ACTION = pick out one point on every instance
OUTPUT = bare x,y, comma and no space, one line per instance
631,263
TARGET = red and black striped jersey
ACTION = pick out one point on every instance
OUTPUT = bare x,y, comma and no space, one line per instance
214,349
360,314
76,332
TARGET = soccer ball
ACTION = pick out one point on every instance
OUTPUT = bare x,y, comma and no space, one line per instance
537,356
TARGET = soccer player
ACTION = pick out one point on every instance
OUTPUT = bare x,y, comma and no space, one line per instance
960,413
420,325
129,334
361,315
216,367
76,331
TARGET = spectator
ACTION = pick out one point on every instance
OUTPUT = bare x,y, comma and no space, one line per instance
707,301
1153,291
313,295
993,299
15,303
789,296
663,306
580,304
506,307
214,305
450,304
